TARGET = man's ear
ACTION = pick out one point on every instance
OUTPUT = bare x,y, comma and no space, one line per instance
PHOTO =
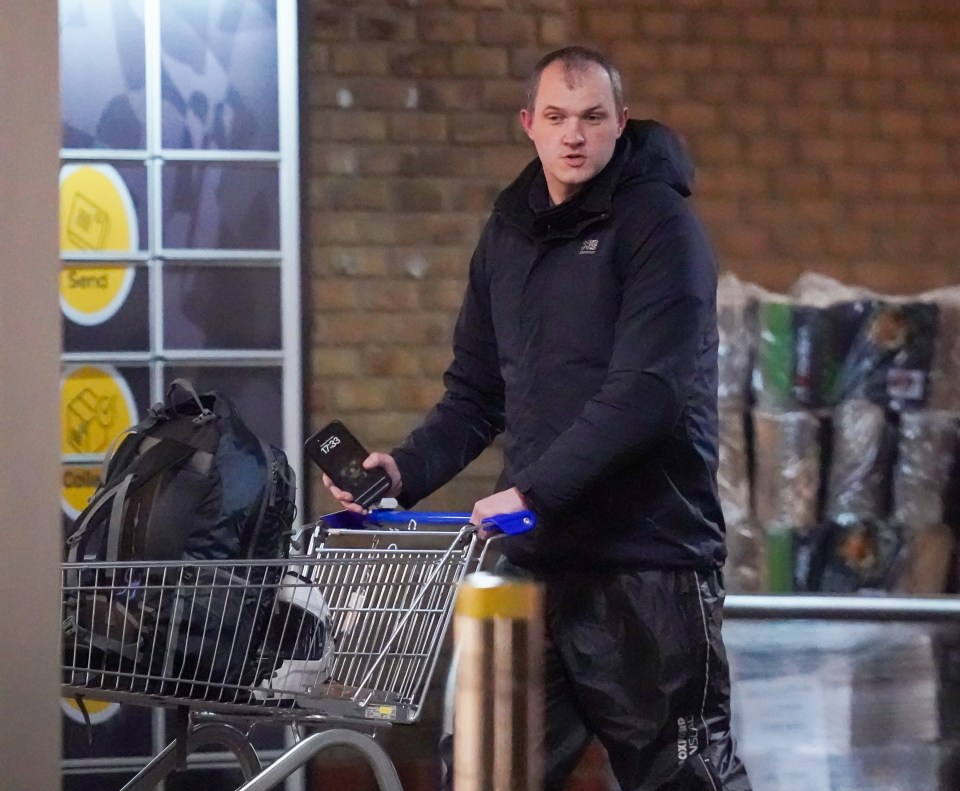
621,121
526,120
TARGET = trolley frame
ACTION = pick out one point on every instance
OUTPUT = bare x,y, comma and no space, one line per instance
385,597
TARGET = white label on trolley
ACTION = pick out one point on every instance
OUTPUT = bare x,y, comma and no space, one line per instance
353,610
380,713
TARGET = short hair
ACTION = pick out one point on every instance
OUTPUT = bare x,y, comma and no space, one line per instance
575,59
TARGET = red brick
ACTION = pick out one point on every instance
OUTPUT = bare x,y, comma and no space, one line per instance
821,30
873,92
419,62
351,59
475,61
823,151
925,93
552,30
337,192
801,59
769,150
718,148
443,94
860,123
326,362
746,118
480,3
852,182
897,63
419,127
445,26
716,27
389,361
899,183
610,23
663,24
355,261
667,85
336,295
768,29
506,28
866,30
848,243
897,123
847,60
740,58
769,89
346,125
716,88
688,57
481,128
802,120
382,25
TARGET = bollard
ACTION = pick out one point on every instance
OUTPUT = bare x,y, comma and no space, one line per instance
498,700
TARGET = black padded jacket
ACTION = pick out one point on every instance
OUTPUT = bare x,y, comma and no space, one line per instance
588,337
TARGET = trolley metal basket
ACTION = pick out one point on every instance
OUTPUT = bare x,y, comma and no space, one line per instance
345,636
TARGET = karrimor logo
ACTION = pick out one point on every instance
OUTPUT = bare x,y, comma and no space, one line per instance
589,247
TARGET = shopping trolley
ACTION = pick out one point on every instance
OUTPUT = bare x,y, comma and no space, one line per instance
341,638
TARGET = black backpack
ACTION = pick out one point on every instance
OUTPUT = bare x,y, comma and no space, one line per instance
189,482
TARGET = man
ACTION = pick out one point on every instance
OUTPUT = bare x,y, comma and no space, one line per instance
588,337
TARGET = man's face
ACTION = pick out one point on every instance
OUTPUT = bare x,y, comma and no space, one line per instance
574,126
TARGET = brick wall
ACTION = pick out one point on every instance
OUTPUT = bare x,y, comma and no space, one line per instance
825,133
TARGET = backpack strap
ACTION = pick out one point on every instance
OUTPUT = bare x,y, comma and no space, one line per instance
163,455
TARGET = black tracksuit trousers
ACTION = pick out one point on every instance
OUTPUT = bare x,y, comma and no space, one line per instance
637,660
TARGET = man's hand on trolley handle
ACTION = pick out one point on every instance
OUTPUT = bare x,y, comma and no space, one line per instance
508,501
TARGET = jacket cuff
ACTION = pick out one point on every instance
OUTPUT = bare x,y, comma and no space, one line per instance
413,488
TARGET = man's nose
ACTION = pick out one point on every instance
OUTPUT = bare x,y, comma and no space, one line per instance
573,133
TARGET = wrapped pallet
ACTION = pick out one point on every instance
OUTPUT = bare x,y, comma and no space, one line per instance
925,458
786,486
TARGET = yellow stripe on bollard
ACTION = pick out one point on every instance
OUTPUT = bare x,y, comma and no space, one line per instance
498,706
489,596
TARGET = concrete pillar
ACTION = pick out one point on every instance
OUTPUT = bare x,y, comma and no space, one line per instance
29,414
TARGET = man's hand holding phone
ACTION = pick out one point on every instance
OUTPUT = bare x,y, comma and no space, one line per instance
356,478
382,460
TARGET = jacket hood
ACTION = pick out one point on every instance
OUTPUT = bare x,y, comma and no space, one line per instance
647,151
652,152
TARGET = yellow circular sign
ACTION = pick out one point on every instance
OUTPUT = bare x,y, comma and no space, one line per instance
95,406
98,710
96,213
80,481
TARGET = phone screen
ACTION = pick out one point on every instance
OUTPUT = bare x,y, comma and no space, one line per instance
340,455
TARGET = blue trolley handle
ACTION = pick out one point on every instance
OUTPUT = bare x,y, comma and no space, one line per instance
511,524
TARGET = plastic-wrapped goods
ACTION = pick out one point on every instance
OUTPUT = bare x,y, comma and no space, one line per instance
892,354
734,303
945,373
782,377
802,350
733,480
787,467
851,557
860,466
925,457
746,558
926,567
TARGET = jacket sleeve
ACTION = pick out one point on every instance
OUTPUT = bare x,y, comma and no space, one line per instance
666,322
469,415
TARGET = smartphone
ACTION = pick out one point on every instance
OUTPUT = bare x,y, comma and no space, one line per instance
340,455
